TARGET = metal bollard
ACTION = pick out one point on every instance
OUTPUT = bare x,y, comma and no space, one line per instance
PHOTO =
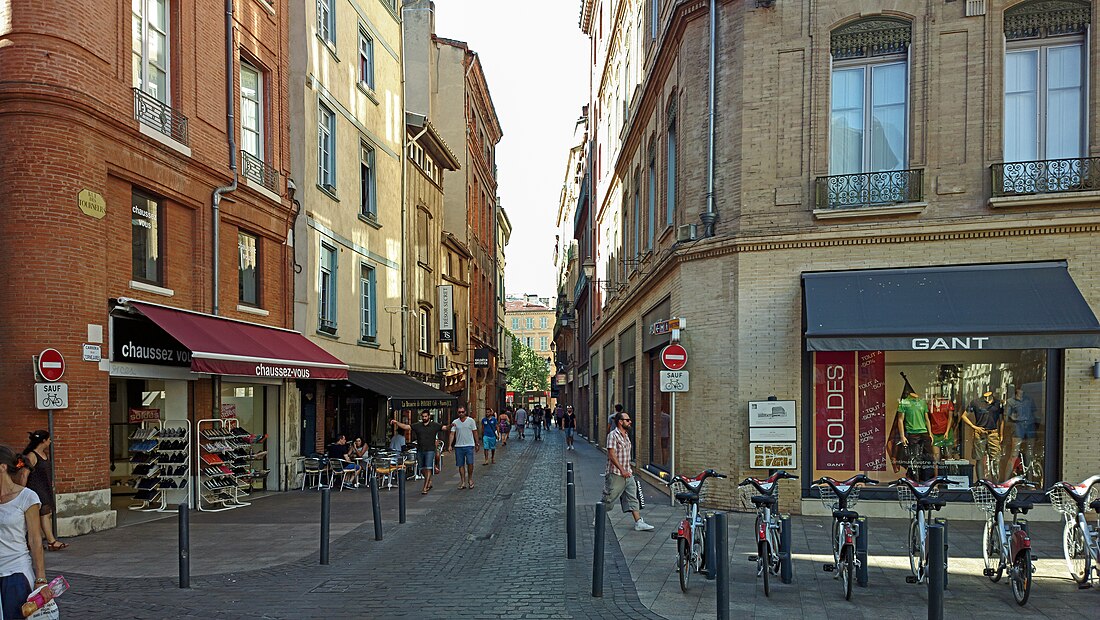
571,520
862,572
597,551
946,555
401,496
325,514
185,546
711,553
935,571
786,564
723,560
376,508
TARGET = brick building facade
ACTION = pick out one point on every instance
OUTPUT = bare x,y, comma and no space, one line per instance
114,140
908,139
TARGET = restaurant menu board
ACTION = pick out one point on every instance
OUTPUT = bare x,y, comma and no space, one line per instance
872,410
835,410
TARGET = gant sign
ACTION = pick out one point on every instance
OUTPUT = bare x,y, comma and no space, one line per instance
953,343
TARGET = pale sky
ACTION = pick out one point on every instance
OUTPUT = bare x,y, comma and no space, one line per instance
535,59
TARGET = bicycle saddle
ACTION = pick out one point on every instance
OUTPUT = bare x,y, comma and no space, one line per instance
845,515
764,500
687,498
935,503
1019,506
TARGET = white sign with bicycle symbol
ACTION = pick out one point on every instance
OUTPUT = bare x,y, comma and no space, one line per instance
674,380
51,395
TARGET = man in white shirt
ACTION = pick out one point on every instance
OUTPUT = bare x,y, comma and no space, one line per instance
462,441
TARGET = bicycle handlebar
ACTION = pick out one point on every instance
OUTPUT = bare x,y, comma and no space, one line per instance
707,473
779,475
928,485
1085,487
850,483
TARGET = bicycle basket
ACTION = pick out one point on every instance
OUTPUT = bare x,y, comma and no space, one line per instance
830,500
908,501
1061,500
985,500
748,491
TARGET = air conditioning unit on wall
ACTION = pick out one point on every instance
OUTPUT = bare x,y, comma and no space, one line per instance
686,232
441,363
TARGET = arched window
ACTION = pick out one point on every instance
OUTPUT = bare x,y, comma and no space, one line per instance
869,130
1046,69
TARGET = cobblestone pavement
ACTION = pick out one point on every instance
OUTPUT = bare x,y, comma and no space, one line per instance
497,551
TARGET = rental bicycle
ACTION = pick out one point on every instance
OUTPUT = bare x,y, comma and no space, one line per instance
690,536
1006,546
920,499
1080,541
840,497
767,523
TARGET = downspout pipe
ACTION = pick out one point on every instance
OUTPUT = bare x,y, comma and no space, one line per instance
710,216
230,133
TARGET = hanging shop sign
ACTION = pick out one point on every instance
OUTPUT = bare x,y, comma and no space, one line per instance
835,410
446,313
481,358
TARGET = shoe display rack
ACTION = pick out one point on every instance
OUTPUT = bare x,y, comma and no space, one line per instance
257,459
223,464
160,452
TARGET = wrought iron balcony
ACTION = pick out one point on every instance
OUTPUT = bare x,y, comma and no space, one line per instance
1048,176
153,112
869,189
254,168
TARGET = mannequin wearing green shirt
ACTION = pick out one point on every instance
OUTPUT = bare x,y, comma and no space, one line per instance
914,428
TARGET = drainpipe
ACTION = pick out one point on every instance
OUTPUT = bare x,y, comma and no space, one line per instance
229,130
710,216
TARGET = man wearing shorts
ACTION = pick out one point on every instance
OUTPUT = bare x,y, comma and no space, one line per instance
425,434
569,422
462,442
521,421
489,430
619,483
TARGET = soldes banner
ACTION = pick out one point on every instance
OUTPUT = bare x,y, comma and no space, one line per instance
835,410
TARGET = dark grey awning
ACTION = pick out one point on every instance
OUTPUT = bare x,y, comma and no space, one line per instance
403,391
972,307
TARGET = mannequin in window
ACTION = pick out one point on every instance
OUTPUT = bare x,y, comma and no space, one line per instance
1022,412
942,421
916,435
984,417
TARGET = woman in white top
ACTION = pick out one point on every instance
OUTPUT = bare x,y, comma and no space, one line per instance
22,561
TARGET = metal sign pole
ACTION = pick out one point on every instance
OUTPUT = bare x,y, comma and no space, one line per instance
53,513
672,444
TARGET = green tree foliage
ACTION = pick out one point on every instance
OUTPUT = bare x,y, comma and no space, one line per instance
529,371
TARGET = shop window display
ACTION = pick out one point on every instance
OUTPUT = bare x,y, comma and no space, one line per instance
964,414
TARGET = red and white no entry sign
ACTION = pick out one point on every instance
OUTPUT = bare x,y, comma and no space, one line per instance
51,365
674,357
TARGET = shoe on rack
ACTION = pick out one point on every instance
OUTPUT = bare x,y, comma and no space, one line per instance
642,526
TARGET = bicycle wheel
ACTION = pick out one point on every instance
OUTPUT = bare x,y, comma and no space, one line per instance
836,542
916,551
991,550
1077,555
683,562
846,567
1021,577
699,550
763,553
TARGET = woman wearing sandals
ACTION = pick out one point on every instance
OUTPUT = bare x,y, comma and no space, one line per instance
37,456
21,562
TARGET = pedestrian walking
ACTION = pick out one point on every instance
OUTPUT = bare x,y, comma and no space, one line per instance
521,421
36,454
22,562
536,422
619,483
547,417
489,432
505,427
559,415
463,431
569,422
425,433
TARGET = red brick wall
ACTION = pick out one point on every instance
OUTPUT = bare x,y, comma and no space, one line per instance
67,124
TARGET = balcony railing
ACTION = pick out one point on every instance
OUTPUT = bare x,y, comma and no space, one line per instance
1022,178
153,112
254,168
869,189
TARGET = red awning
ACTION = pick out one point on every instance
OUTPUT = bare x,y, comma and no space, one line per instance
227,347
